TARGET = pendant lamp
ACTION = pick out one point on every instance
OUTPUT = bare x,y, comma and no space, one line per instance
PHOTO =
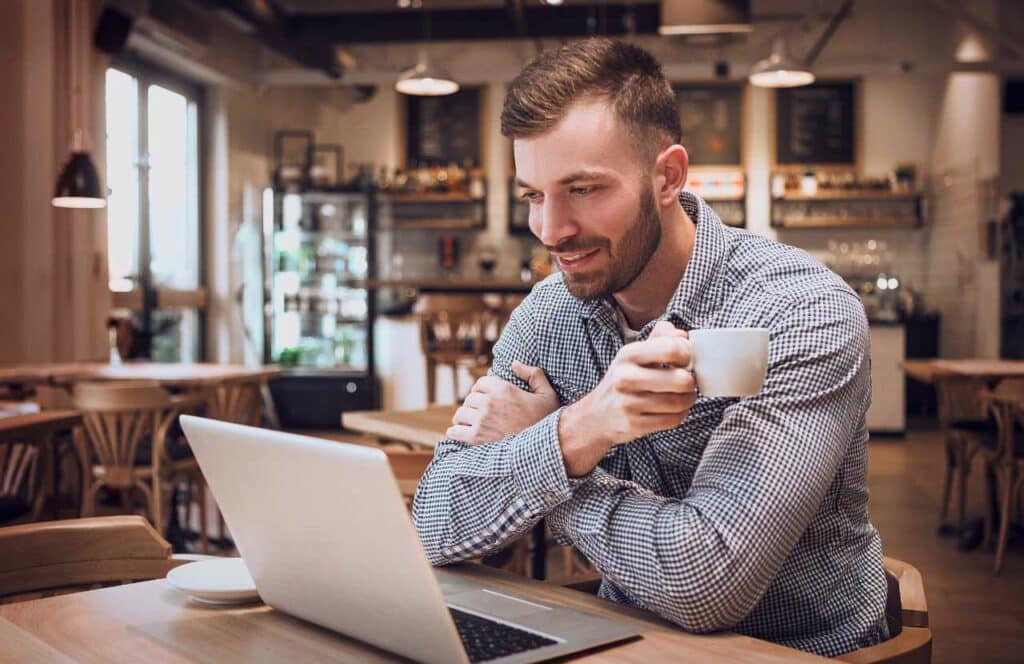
78,185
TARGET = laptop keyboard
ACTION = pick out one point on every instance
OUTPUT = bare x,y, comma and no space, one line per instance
486,639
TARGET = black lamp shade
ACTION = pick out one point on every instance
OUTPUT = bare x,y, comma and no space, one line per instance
79,184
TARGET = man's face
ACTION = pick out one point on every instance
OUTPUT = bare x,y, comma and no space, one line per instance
591,201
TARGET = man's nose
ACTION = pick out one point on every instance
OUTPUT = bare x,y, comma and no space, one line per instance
552,222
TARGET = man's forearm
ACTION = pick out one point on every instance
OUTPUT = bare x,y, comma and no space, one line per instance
473,500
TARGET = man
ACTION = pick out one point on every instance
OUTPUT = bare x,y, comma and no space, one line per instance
744,514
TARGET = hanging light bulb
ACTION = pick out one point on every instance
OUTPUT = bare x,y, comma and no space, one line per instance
426,79
779,71
78,185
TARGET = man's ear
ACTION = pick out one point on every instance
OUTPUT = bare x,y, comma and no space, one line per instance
672,167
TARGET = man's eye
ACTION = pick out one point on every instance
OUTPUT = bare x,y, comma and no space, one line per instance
530,196
581,191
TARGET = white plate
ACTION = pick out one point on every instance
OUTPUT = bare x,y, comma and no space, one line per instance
220,581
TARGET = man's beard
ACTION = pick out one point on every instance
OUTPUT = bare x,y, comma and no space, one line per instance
627,260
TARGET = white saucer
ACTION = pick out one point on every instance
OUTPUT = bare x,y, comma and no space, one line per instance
219,581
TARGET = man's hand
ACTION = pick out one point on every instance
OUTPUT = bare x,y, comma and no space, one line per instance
646,389
496,408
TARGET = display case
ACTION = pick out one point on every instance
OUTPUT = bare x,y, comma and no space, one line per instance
319,253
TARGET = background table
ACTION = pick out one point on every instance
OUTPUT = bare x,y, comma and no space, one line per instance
179,375
425,428
152,622
927,370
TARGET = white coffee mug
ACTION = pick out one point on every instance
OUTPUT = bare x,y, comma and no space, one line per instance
729,361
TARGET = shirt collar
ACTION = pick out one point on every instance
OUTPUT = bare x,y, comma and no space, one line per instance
691,300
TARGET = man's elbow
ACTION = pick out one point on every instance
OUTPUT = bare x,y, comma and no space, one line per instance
717,602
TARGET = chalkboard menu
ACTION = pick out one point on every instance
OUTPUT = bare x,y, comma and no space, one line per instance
445,129
815,124
711,117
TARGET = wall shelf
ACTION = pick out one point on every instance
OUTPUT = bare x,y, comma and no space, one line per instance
432,210
848,209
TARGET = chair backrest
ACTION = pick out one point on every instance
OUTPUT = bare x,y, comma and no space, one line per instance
21,464
960,398
1004,409
237,401
117,416
62,556
53,397
913,644
408,467
453,325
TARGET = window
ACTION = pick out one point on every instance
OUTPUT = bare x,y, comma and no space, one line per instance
153,230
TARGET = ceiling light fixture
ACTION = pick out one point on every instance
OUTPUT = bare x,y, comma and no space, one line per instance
779,71
425,78
78,185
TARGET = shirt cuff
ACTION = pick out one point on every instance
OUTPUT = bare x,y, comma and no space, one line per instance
538,467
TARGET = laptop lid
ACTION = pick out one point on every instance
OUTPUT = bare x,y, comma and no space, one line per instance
326,536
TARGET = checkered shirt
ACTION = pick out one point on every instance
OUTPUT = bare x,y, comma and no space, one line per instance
752,515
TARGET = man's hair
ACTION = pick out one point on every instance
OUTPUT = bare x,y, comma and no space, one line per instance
627,76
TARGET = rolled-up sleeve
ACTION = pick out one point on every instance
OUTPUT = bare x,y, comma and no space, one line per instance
475,499
706,559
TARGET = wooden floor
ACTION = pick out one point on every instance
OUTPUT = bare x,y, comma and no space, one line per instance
975,615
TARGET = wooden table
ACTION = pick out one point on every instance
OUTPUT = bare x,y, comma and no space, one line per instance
152,622
415,427
36,426
177,375
927,370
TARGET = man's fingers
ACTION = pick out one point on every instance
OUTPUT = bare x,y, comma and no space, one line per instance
532,376
461,433
645,379
474,400
487,384
466,416
663,403
672,350
666,329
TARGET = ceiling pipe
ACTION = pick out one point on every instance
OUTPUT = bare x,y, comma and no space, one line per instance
826,36
272,27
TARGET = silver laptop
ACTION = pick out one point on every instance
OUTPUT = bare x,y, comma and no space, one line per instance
326,536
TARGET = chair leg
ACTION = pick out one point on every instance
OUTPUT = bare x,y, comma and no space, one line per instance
1009,477
89,498
991,491
947,486
431,382
963,470
155,505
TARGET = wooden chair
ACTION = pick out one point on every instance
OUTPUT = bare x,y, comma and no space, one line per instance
27,452
239,401
63,556
453,332
408,467
1006,461
913,642
121,421
962,412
